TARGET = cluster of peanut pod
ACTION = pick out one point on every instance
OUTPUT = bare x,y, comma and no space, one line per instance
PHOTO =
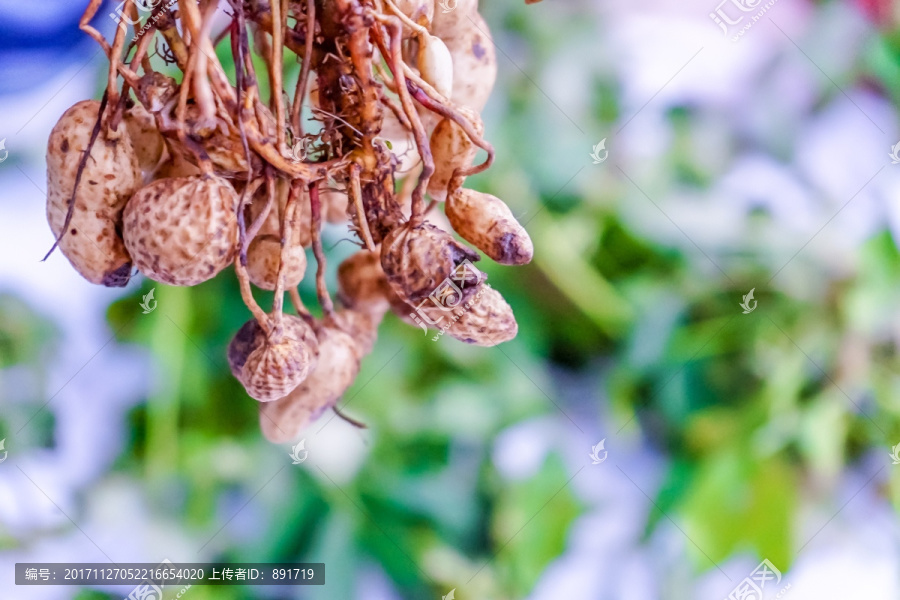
183,170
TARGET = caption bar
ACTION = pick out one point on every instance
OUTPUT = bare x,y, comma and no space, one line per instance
170,574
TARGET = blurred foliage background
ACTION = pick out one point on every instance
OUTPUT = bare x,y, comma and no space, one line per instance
764,173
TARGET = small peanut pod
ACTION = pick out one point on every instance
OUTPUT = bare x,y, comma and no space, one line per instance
147,140
182,231
420,260
452,149
362,284
111,175
264,259
271,368
436,64
362,326
283,420
486,222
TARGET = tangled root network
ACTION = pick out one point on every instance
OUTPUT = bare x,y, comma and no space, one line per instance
183,169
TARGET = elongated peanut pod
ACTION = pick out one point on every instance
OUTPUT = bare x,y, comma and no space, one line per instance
483,320
436,64
452,150
338,364
474,63
110,177
486,222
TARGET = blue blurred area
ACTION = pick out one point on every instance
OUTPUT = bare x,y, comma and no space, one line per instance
40,39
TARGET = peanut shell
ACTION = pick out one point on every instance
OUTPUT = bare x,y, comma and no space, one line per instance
111,175
452,149
338,365
148,142
487,223
269,368
484,320
417,260
264,260
474,63
182,231
362,284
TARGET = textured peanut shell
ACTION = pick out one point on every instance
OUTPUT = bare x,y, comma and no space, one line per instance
452,149
474,63
338,365
486,320
145,137
362,326
182,231
264,260
362,284
270,369
92,243
486,222
417,259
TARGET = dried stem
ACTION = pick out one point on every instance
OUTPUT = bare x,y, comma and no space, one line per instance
276,66
299,307
247,295
356,194
316,222
394,63
302,81
463,122
287,241
257,224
